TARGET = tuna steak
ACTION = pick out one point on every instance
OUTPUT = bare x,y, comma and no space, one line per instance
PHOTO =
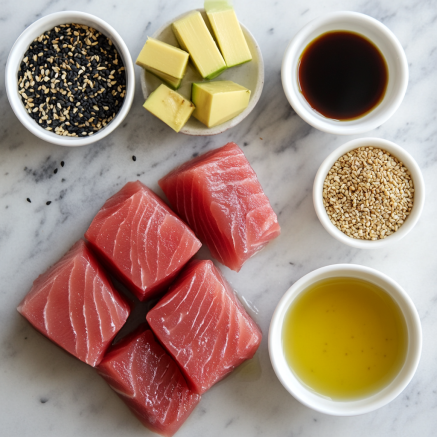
141,240
218,194
148,380
75,305
204,326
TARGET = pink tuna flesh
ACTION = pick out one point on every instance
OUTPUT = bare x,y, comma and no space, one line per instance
75,305
218,194
148,380
143,242
204,326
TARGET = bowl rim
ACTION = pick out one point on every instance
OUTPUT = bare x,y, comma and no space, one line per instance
14,59
354,407
399,153
367,122
255,94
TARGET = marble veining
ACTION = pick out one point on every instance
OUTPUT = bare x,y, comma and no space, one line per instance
45,392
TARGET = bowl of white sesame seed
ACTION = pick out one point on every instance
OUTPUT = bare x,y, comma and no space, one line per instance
369,193
70,78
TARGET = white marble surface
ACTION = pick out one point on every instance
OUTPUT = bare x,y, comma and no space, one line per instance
45,392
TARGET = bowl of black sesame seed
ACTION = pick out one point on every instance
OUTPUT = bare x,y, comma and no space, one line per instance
369,193
70,78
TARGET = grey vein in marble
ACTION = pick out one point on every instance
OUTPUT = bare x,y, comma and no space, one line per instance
45,392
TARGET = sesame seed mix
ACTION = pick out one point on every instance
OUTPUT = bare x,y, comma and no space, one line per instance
72,80
368,194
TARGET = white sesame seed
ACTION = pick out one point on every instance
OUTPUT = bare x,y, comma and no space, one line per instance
362,203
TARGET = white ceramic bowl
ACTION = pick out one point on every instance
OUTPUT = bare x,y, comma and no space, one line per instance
249,75
322,403
381,36
398,152
16,56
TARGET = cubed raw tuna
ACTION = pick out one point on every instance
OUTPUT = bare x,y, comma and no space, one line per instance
204,326
147,379
218,194
75,305
141,240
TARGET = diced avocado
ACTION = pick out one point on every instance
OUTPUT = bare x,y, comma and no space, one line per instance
173,82
217,102
170,107
227,32
164,58
193,36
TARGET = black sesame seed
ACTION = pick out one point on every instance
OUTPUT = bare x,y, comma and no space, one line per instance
55,170
62,163
134,158
64,56
49,202
29,200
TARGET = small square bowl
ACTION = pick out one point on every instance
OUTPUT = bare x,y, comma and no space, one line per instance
396,151
249,75
16,56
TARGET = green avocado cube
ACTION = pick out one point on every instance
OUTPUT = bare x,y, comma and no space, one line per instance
173,82
219,101
227,32
164,61
194,37
170,107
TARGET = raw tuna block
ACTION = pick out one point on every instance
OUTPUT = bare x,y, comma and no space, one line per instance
219,196
140,371
75,305
204,326
141,240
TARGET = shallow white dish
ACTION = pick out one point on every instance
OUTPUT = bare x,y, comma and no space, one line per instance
324,404
249,75
398,152
381,36
16,56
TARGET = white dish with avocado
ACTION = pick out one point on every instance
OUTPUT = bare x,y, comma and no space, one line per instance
249,75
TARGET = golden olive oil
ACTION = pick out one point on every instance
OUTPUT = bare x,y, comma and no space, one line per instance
345,338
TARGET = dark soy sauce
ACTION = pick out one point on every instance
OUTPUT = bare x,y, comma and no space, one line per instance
342,75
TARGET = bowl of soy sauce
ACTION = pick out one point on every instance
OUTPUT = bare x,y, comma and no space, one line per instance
345,73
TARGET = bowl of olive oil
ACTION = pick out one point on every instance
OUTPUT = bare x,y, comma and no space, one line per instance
345,340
